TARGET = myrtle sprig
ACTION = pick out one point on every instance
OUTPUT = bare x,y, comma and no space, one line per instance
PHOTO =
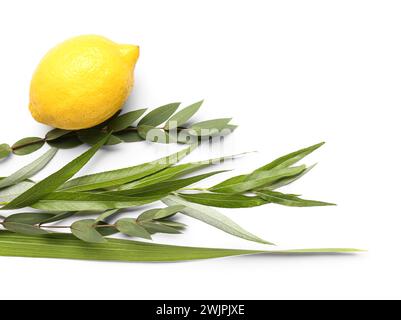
162,125
93,230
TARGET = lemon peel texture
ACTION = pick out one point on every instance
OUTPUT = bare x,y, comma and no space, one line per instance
82,82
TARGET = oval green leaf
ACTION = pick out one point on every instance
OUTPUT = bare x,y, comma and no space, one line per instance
24,229
93,136
129,227
65,142
106,230
130,135
125,120
27,145
56,133
5,150
85,231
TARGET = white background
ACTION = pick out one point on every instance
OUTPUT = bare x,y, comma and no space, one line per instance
291,74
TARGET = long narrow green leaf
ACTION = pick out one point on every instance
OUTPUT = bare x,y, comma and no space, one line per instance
129,136
233,181
173,172
82,201
164,187
29,170
181,117
288,180
213,218
157,227
290,200
290,159
166,174
66,246
125,120
174,224
159,115
189,135
156,135
10,193
242,184
209,127
53,181
31,218
121,176
223,200
156,214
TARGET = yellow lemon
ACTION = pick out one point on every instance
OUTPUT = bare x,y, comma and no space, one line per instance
82,82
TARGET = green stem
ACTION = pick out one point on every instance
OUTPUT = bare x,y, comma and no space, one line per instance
69,227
